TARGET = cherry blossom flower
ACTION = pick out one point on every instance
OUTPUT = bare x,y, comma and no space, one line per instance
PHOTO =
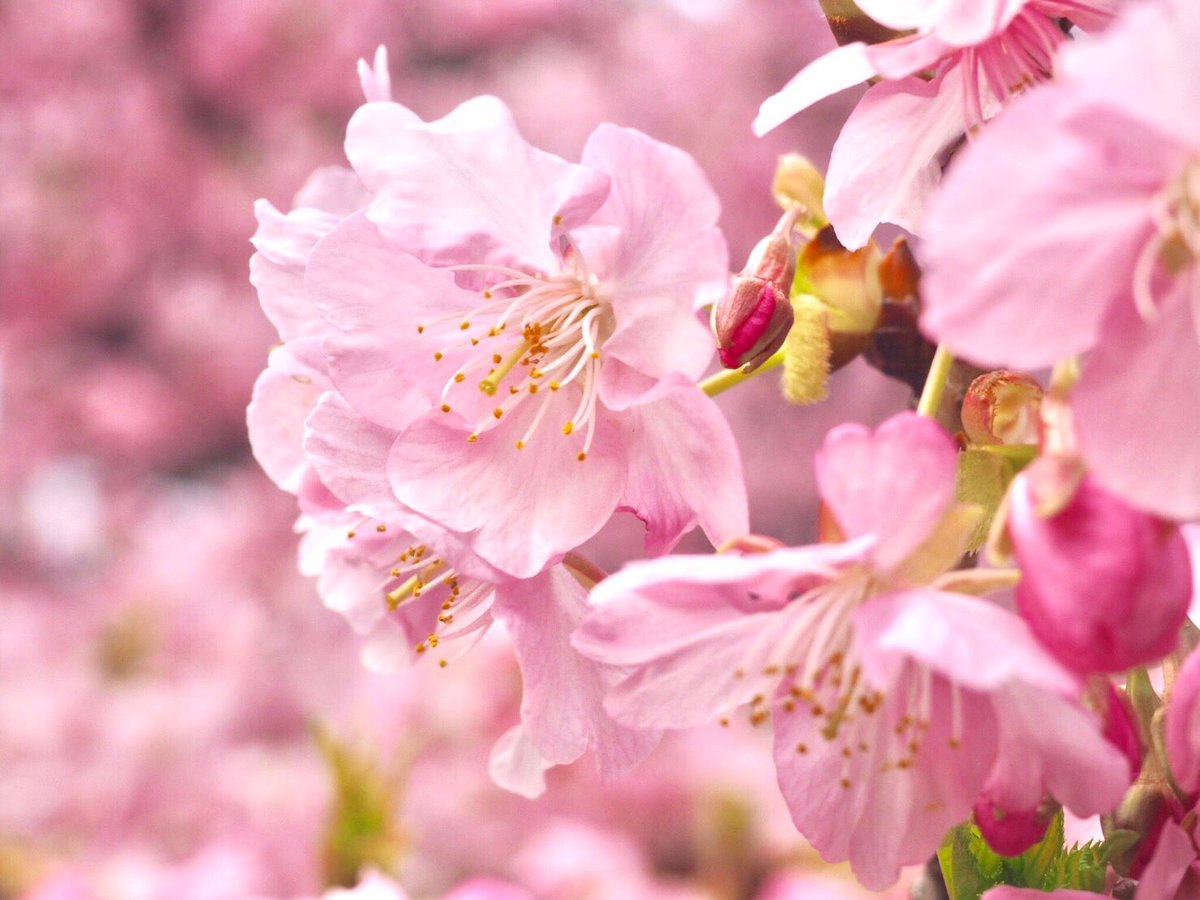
414,588
545,312
888,158
1091,251
895,697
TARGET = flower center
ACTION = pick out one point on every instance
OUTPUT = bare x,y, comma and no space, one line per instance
533,336
1174,247
821,676
457,606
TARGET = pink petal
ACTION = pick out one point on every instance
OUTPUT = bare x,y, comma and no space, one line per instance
863,806
333,189
516,766
284,394
562,705
1167,867
1005,892
687,625
1050,743
684,470
835,71
378,296
895,484
467,186
354,575
972,642
1144,67
1137,405
519,509
887,160
1028,296
668,257
350,454
1183,725
958,22
284,243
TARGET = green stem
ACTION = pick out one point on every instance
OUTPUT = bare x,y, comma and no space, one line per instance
935,382
723,381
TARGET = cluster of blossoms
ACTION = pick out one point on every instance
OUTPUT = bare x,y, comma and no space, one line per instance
488,351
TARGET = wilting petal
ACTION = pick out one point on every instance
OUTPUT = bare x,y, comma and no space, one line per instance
684,470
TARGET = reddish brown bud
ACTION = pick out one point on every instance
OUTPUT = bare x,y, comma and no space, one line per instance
1002,407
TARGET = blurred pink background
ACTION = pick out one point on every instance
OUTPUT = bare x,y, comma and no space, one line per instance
164,672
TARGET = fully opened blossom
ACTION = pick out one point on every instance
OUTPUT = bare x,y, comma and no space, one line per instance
418,591
956,63
546,314
1072,226
896,697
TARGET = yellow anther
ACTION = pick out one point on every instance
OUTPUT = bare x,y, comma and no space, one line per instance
554,385
533,389
581,456
437,357
351,534
445,407
472,438
520,445
442,663
464,326
802,748
420,648
568,428
381,528
497,412
420,329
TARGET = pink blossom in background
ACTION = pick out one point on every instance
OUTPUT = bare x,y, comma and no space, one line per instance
956,64
884,682
1090,251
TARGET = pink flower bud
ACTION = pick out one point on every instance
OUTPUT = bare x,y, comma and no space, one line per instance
1002,408
1011,833
753,320
1104,586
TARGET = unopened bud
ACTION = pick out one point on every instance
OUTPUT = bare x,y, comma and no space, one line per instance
753,320
1002,408
799,185
1012,832
1104,586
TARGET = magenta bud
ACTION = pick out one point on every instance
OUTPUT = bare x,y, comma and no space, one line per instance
1011,832
753,320
1120,724
1104,586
